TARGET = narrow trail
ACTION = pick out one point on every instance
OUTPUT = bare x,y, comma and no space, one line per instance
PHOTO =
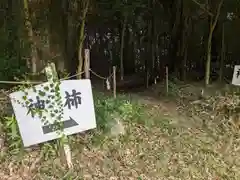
166,108
163,106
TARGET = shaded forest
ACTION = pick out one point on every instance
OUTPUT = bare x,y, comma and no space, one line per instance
195,39
182,46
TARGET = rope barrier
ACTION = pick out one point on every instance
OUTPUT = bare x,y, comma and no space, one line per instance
66,78
39,82
20,82
110,76
101,77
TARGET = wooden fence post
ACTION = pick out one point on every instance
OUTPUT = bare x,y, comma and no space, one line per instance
52,76
51,72
114,82
87,63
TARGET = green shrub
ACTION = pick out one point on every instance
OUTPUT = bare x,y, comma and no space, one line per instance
107,108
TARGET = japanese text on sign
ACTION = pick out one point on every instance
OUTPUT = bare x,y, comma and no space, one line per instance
78,111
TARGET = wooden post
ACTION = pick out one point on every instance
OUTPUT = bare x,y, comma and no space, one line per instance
51,72
52,76
114,82
166,80
87,63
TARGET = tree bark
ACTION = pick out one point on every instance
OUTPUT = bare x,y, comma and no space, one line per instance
184,73
213,23
208,62
28,24
153,42
71,30
222,54
129,59
175,36
122,47
81,39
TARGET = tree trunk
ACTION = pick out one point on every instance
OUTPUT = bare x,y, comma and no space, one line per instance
209,46
129,59
71,30
58,33
122,47
183,44
153,42
81,39
222,54
208,62
184,72
28,24
175,36
13,28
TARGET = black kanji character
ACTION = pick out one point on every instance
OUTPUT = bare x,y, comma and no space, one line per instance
72,100
39,104
238,73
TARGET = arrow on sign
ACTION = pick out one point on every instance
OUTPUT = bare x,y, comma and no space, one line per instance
54,127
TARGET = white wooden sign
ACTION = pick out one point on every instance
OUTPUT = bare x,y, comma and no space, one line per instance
236,75
78,111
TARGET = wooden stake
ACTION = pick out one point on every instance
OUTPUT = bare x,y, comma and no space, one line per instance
114,82
51,72
52,76
166,80
87,63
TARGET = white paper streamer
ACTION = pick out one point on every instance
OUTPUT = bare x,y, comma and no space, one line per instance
108,84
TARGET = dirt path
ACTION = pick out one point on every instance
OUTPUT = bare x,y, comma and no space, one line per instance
167,108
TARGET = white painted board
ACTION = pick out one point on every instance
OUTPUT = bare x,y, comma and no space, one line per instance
78,116
236,75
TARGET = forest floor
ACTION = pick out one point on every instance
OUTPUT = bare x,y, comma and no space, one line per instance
178,137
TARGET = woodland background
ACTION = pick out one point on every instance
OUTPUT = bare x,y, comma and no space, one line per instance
185,126
196,39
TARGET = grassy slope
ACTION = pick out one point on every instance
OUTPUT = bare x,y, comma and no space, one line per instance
158,144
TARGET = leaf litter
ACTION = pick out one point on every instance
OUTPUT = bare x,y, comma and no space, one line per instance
166,146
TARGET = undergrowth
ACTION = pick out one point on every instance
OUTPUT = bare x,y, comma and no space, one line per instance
106,110
154,146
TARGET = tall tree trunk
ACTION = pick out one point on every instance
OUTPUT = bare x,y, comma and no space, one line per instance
72,36
81,39
175,36
28,24
64,25
222,54
185,40
209,50
12,27
150,50
132,53
129,59
57,32
153,42
184,73
213,23
124,24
